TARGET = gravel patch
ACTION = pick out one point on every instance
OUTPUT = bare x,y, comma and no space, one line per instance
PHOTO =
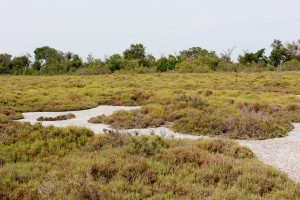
281,153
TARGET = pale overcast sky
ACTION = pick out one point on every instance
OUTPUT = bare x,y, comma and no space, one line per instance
163,26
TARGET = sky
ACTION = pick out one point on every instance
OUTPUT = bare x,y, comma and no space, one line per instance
102,28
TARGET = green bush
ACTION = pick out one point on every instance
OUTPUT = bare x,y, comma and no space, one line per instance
10,114
292,65
146,146
227,148
239,126
22,142
93,70
4,119
194,66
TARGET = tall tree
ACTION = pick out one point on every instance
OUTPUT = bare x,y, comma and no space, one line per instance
5,63
136,51
279,53
71,62
47,55
258,57
18,63
195,52
114,62
294,50
226,55
164,64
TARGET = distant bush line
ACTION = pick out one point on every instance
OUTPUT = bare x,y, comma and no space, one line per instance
49,61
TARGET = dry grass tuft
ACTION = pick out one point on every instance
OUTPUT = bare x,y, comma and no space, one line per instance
57,118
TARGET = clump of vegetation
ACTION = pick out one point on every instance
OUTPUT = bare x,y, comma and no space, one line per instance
10,114
97,119
57,118
193,115
241,126
4,119
153,115
39,162
21,142
211,104
226,147
292,65
150,116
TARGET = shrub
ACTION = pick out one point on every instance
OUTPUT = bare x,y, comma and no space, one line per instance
97,119
181,155
111,138
57,118
138,168
150,116
106,169
4,119
292,65
202,64
241,126
140,97
23,142
10,114
247,126
165,64
193,101
228,67
146,146
228,148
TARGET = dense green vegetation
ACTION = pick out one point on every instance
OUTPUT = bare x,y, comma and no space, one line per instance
49,61
230,105
39,162
46,162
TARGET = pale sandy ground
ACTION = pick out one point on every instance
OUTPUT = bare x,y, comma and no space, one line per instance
281,153
82,117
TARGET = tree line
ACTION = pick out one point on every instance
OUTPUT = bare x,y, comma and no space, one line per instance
50,61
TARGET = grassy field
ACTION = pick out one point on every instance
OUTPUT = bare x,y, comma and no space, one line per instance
72,163
230,105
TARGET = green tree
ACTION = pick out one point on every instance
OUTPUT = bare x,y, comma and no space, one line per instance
5,63
279,53
195,52
93,66
225,56
114,62
294,50
148,61
36,65
51,61
47,55
20,63
136,51
72,62
258,57
164,64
